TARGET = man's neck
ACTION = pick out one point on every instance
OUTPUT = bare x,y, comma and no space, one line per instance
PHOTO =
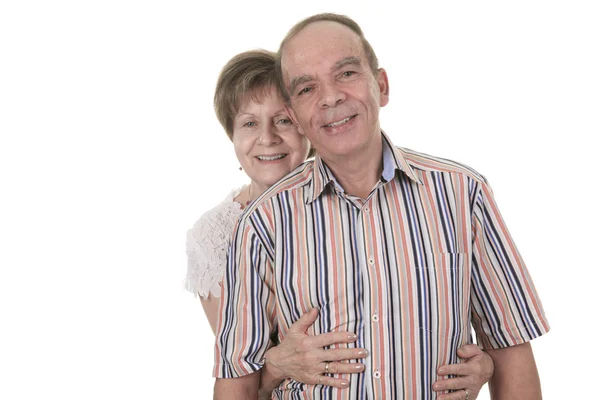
359,174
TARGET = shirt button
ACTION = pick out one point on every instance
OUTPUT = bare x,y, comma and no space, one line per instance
376,374
367,209
371,261
375,318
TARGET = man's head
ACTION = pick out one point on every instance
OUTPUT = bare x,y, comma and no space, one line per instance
341,19
333,89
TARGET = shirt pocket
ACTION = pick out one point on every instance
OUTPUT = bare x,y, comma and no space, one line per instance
442,292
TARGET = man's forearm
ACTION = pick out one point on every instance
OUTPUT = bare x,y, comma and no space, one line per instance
515,374
243,388
268,382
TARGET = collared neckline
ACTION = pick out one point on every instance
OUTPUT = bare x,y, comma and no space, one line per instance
393,159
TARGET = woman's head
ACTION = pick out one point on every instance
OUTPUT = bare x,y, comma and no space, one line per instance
251,110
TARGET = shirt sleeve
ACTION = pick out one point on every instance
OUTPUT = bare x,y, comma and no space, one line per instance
247,312
505,307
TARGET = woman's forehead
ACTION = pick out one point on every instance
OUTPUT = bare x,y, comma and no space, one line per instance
260,96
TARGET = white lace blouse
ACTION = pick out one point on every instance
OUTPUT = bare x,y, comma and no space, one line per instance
207,244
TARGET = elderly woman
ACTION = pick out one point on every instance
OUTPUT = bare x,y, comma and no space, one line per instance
268,146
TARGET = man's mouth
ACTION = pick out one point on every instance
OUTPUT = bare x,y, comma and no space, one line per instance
339,123
272,157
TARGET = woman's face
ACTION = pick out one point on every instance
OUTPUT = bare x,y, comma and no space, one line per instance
266,143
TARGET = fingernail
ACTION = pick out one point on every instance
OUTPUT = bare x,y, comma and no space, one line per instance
442,371
352,336
344,383
359,367
436,386
362,353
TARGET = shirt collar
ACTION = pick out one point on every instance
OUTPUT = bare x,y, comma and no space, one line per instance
393,159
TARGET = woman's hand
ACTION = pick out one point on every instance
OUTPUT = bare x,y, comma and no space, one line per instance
469,376
303,358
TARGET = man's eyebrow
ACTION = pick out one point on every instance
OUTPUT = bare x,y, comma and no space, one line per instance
351,60
297,81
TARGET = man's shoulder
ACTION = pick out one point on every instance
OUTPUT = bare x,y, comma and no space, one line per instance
428,163
297,179
293,183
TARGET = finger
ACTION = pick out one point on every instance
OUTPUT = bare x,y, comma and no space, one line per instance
331,381
344,368
327,339
342,354
450,384
457,369
306,320
458,395
469,351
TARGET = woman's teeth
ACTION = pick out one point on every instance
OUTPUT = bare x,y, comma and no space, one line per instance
271,158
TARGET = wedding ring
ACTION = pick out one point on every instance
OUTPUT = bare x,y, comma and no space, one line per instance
326,367
466,394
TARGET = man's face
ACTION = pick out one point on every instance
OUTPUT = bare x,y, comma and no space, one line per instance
335,98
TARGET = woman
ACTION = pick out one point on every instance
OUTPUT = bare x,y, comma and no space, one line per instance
268,146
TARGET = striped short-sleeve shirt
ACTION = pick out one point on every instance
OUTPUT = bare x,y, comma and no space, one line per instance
409,269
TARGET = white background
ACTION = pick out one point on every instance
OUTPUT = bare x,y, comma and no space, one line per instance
110,150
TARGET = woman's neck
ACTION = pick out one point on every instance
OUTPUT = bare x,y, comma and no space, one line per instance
250,193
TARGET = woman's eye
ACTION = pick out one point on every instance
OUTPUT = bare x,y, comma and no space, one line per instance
285,121
249,124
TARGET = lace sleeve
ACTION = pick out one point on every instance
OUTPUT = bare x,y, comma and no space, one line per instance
206,246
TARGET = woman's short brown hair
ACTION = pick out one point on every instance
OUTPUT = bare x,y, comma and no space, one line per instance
244,74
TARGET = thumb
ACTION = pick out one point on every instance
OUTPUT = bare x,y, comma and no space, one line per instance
469,351
305,321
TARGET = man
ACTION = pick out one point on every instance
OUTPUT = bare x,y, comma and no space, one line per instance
404,249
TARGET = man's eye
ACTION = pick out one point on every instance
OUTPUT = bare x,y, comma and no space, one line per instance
284,121
348,73
304,91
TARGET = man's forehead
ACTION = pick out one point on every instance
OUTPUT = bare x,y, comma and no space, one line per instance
329,38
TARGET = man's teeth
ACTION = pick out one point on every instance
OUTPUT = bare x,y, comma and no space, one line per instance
271,158
334,124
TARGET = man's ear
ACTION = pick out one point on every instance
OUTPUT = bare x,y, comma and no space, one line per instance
292,115
384,87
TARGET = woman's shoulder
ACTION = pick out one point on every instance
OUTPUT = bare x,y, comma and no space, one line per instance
207,243
221,217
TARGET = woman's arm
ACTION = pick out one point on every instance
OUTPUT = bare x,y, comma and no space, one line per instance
302,357
469,376
211,309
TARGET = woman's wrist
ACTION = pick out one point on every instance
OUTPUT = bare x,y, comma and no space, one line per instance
272,371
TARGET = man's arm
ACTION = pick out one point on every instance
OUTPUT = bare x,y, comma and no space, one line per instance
515,374
243,388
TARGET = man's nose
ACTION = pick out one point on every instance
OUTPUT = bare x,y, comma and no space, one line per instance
331,95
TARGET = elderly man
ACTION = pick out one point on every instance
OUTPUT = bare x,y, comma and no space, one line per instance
404,249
